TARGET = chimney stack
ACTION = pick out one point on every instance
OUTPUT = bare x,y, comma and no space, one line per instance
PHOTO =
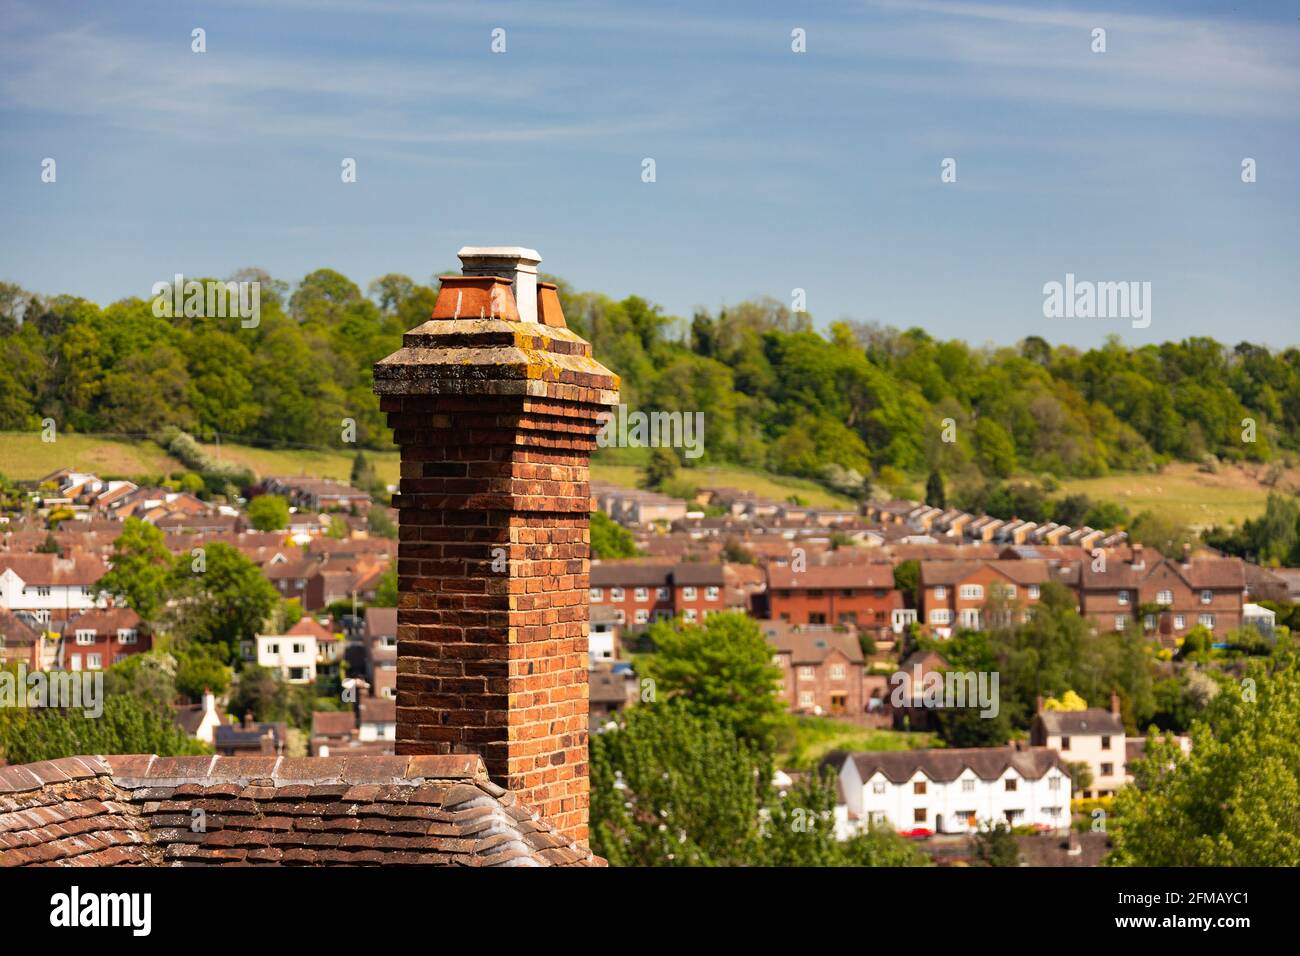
496,414
1114,703
1138,560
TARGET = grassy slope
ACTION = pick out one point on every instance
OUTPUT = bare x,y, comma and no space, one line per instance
808,739
777,487
1194,498
23,457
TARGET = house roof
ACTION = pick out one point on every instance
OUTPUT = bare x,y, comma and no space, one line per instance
308,626
1080,723
811,645
621,574
304,811
987,763
381,621
874,575
50,570
332,723
105,620
14,630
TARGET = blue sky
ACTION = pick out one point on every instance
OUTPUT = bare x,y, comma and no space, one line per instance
775,170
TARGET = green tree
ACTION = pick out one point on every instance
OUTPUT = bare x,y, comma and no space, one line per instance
139,572
268,513
935,496
660,468
721,669
127,726
995,845
907,579
610,539
386,589
221,599
1234,800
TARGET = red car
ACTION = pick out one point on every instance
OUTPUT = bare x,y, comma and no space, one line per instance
920,833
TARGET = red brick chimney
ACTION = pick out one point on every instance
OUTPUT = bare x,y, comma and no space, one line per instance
496,414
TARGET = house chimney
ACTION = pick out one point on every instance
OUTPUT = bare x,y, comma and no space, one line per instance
209,702
496,416
515,263
1137,560
1114,703
1187,552
1038,704
248,719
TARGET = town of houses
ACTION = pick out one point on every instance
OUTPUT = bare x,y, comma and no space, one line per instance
816,580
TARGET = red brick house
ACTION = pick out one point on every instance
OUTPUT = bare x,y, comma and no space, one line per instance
957,595
99,638
1165,597
860,596
822,668
645,593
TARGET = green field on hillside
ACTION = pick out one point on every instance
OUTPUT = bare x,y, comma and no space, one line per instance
24,457
805,740
777,487
1194,498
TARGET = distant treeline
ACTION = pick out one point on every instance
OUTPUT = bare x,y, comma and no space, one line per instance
854,406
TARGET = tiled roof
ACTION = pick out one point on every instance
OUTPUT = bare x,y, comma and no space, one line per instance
49,570
1080,723
303,811
811,645
987,763
875,575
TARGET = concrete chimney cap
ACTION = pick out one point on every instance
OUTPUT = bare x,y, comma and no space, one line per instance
481,257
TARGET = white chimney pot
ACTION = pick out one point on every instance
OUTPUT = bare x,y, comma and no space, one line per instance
515,263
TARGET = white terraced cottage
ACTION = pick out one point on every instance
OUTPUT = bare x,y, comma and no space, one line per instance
954,791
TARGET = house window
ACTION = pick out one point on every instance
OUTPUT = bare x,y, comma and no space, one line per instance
837,672
661,594
1180,622
1165,597
918,815
642,615
806,673
689,594
1065,743
94,662
299,648
85,637
1207,597
940,593
1009,590
972,592
968,786
806,698
616,594
918,788
941,615
597,594
1054,783
689,614
126,635
1105,743
711,593
641,594
816,617
1120,621
1034,592
1010,783
1122,597
878,787
1107,769
1149,622
620,617
1206,620
118,658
